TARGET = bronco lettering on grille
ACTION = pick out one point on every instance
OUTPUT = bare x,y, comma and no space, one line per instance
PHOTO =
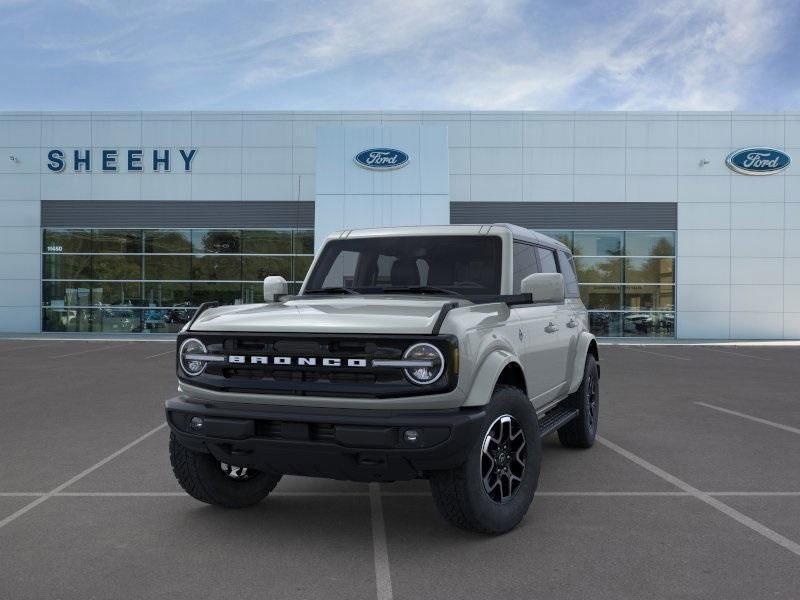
300,361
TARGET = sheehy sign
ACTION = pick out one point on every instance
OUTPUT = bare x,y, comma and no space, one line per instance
111,161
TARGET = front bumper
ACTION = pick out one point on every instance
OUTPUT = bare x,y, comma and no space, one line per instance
356,445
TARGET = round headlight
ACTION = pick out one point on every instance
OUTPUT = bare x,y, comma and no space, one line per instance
433,367
187,357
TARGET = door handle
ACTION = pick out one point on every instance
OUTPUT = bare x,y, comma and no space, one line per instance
572,323
551,327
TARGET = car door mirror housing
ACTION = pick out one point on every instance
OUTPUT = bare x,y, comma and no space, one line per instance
544,287
274,286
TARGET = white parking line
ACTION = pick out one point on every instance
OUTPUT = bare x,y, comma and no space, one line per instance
383,577
751,418
657,353
170,351
30,506
757,494
87,351
734,514
19,348
740,354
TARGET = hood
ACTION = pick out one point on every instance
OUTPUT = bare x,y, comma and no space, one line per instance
340,314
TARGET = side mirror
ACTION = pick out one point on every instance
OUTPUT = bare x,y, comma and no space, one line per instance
544,287
274,285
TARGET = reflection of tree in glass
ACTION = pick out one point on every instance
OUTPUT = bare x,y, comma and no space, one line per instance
167,241
221,241
598,270
651,270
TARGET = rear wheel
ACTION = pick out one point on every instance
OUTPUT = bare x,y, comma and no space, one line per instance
582,430
492,490
208,480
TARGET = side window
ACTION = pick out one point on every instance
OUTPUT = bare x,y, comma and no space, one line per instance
524,263
568,269
547,260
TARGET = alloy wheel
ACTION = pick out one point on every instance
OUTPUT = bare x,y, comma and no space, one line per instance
503,457
234,472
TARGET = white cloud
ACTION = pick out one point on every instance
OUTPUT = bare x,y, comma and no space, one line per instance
684,56
467,54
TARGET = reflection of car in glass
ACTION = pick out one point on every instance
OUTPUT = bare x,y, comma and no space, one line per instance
179,313
443,353
153,318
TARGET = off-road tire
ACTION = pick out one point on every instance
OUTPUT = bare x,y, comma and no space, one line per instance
202,478
459,493
582,430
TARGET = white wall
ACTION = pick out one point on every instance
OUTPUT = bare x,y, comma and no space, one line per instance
20,253
349,196
738,267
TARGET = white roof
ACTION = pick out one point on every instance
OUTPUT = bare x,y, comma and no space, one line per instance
519,233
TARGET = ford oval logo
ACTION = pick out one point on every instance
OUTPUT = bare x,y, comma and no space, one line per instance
381,159
758,161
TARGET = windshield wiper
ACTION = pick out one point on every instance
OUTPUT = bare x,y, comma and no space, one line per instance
331,290
419,289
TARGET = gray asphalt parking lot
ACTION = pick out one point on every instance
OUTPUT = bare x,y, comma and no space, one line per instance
693,491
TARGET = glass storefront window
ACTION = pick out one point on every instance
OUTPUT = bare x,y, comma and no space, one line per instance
301,266
599,270
648,324
165,266
606,324
226,241
217,268
267,241
161,241
152,280
598,243
627,280
124,241
67,240
649,270
167,294
222,292
117,266
304,241
67,266
649,297
602,297
650,243
256,268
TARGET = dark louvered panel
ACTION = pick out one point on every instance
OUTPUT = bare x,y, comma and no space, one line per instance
173,213
569,215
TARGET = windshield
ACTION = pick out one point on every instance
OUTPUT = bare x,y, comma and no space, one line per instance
456,264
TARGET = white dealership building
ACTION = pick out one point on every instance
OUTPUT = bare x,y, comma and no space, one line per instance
117,222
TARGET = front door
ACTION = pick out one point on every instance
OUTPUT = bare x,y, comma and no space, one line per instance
545,350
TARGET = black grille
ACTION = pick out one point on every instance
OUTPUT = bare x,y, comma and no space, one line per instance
306,380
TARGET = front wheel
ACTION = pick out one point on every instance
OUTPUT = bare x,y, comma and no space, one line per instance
492,490
205,478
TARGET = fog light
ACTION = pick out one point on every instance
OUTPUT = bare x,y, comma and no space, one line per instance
411,436
196,423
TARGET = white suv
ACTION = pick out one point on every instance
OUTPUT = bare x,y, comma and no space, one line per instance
442,352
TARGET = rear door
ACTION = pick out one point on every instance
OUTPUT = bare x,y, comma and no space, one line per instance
560,326
572,304
540,346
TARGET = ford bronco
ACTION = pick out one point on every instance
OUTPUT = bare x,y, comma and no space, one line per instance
442,352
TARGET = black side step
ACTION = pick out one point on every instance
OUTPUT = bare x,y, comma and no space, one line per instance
555,418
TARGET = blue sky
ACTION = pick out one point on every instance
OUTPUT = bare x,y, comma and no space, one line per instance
396,54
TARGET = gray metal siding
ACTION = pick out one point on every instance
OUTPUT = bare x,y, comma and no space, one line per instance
569,215
184,213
